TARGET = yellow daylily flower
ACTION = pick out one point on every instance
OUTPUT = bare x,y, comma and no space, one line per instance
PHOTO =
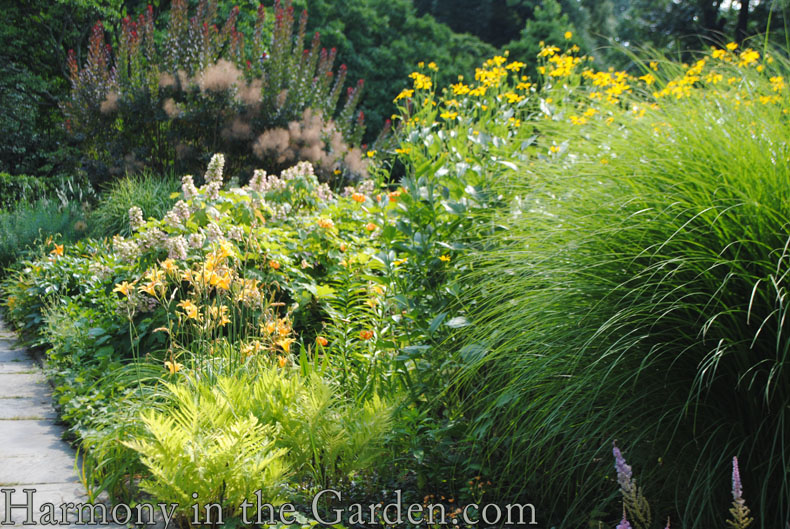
173,367
123,287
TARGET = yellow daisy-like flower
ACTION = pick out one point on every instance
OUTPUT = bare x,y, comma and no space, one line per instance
548,51
568,35
748,57
445,258
404,94
460,89
421,81
732,46
648,78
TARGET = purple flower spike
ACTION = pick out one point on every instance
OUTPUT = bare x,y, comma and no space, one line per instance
737,488
623,470
624,524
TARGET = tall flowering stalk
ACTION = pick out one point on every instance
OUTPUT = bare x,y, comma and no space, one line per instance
636,506
739,511
634,503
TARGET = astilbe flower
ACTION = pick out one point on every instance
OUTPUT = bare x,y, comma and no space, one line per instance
633,502
624,524
623,471
739,511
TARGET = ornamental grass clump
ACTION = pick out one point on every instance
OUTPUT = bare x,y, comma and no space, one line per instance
640,286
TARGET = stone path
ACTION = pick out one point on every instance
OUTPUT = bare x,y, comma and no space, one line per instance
33,454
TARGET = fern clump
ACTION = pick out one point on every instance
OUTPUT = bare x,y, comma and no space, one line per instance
200,451
227,438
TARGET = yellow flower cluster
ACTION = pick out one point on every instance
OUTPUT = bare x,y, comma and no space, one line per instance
406,93
563,65
489,77
421,81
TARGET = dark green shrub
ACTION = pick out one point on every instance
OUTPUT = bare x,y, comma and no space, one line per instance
17,188
171,106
